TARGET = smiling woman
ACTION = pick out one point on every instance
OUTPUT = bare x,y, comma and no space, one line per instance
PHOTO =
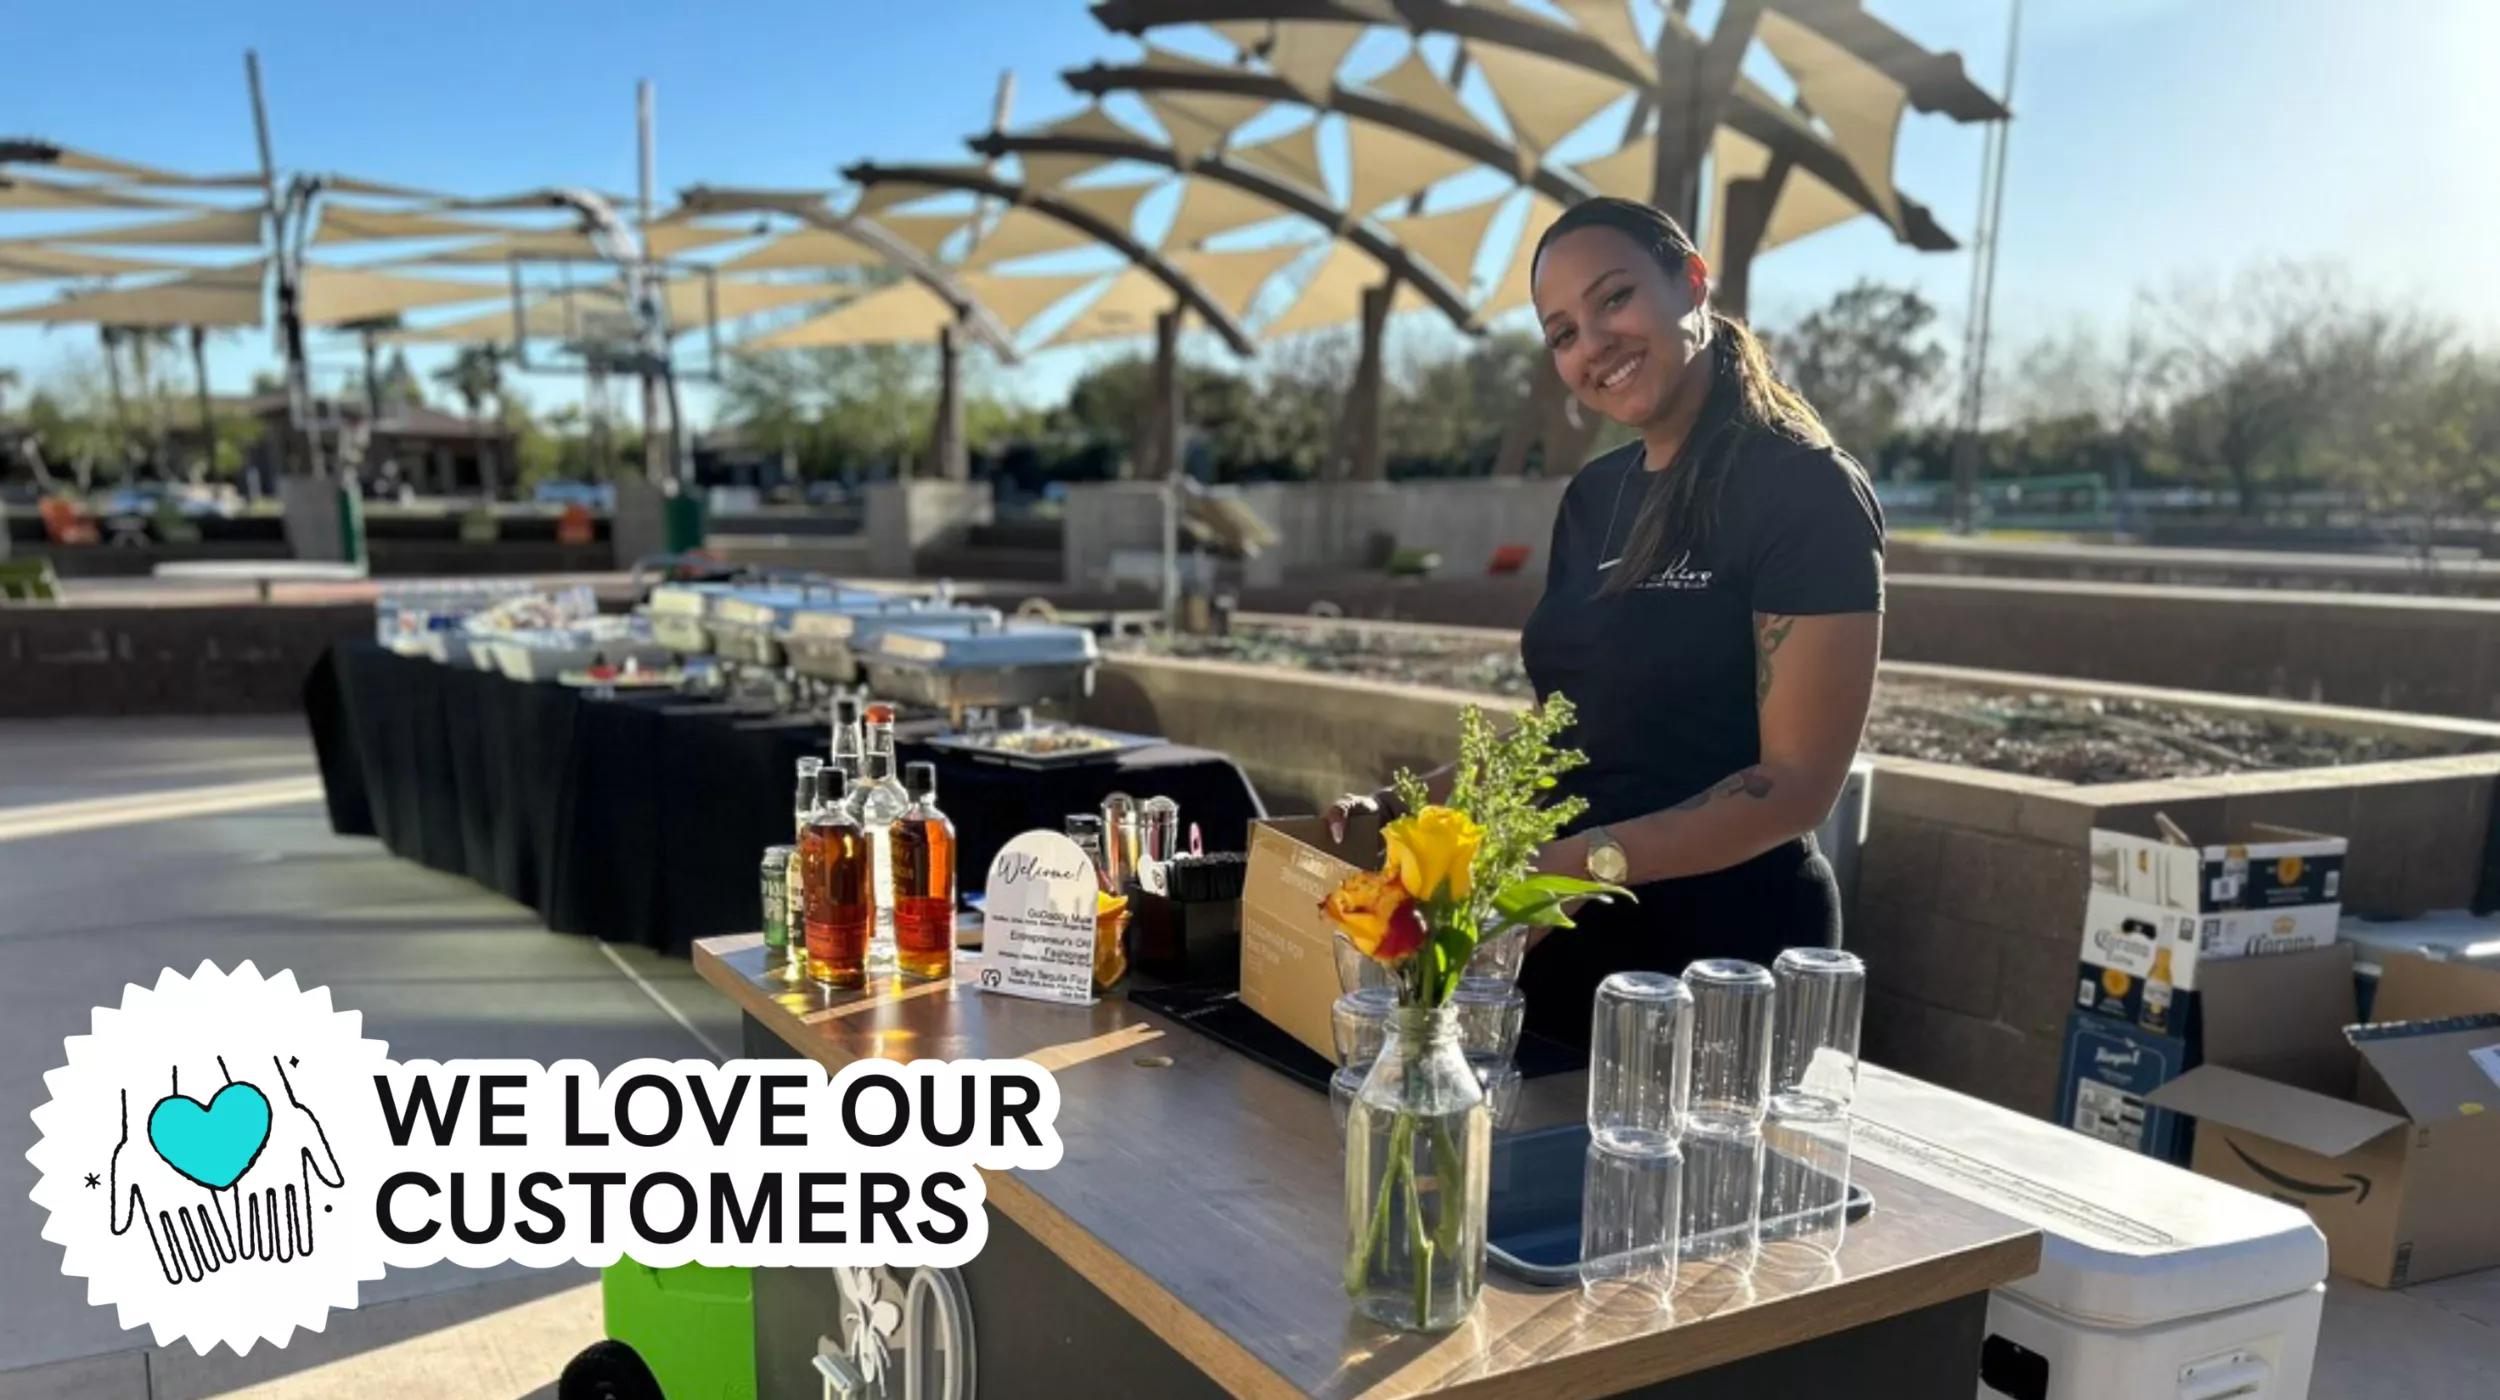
1713,607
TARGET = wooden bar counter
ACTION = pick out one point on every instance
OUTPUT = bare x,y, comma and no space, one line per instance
1189,1242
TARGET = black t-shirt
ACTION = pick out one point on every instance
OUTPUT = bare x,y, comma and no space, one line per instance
1662,675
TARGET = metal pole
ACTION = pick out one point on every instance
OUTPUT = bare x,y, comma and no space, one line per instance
208,415
1167,449
1983,291
290,314
658,457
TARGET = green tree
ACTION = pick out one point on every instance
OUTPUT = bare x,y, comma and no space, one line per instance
1866,360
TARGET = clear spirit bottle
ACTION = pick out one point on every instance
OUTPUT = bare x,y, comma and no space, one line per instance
877,801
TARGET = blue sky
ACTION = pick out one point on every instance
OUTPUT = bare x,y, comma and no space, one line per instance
2157,141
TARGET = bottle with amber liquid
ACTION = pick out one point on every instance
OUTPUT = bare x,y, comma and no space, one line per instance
922,846
841,885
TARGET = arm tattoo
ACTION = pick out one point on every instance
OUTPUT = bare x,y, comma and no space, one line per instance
1752,782
1769,632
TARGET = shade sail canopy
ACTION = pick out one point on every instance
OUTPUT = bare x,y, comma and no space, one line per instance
1127,307
1854,100
1334,294
35,262
905,311
1049,171
924,232
1414,86
1546,99
1233,279
1513,290
1385,164
1210,207
1015,301
346,223
1024,233
131,172
19,191
1609,22
551,317
1628,173
224,228
1307,56
670,240
335,296
214,297
809,247
694,301
1196,122
1447,240
1293,157
375,189
530,243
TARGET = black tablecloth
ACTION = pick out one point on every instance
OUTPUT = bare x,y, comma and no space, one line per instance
643,817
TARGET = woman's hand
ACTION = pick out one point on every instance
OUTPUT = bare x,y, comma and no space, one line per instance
1566,855
1383,803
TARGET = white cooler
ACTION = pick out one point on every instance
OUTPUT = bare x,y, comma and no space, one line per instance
2154,1283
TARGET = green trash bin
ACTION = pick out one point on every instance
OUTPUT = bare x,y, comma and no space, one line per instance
681,521
694,1326
351,524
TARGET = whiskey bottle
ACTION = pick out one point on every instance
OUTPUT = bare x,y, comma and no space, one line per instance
923,871
877,800
840,889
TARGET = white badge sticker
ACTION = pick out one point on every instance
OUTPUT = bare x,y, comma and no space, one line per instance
1037,931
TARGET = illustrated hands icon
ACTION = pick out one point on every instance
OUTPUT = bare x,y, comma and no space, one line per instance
190,1222
277,1207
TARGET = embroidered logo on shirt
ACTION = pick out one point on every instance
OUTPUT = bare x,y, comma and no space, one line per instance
1679,576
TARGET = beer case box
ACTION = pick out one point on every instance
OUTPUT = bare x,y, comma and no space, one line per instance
2385,1132
2104,1078
2140,962
1288,948
2252,865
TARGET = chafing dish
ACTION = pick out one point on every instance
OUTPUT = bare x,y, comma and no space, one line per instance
679,614
956,666
747,623
828,644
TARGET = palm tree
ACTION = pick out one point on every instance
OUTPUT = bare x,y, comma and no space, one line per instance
475,376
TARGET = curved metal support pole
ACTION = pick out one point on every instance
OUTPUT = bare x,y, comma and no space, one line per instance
1291,198
1478,145
1084,221
906,259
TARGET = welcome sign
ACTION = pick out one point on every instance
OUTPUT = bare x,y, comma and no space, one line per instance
1037,921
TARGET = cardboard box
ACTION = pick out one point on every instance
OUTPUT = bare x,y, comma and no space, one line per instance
2254,865
2387,1135
1288,948
2140,962
2103,1080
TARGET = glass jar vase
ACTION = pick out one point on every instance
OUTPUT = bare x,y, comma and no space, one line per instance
1419,1144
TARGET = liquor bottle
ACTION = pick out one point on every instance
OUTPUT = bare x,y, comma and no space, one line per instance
795,882
923,869
877,799
846,736
840,888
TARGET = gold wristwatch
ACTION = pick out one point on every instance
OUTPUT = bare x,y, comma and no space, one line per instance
1606,860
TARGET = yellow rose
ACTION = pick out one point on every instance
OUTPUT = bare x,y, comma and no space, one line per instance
1431,849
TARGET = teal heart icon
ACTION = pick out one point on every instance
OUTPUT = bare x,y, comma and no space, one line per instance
213,1145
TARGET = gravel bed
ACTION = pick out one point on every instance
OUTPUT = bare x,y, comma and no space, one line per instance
2076,739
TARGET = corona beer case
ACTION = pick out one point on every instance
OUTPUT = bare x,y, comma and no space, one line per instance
2140,962
2384,1132
2252,865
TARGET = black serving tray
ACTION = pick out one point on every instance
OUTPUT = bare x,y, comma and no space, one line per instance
1532,1219
1215,1010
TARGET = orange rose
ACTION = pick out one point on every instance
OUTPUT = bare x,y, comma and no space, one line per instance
1376,916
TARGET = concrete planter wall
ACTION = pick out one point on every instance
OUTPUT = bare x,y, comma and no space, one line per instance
91,661
1970,897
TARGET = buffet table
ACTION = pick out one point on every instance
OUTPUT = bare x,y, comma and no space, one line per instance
1189,1241
642,817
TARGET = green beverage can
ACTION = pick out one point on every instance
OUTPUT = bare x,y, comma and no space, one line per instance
777,871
